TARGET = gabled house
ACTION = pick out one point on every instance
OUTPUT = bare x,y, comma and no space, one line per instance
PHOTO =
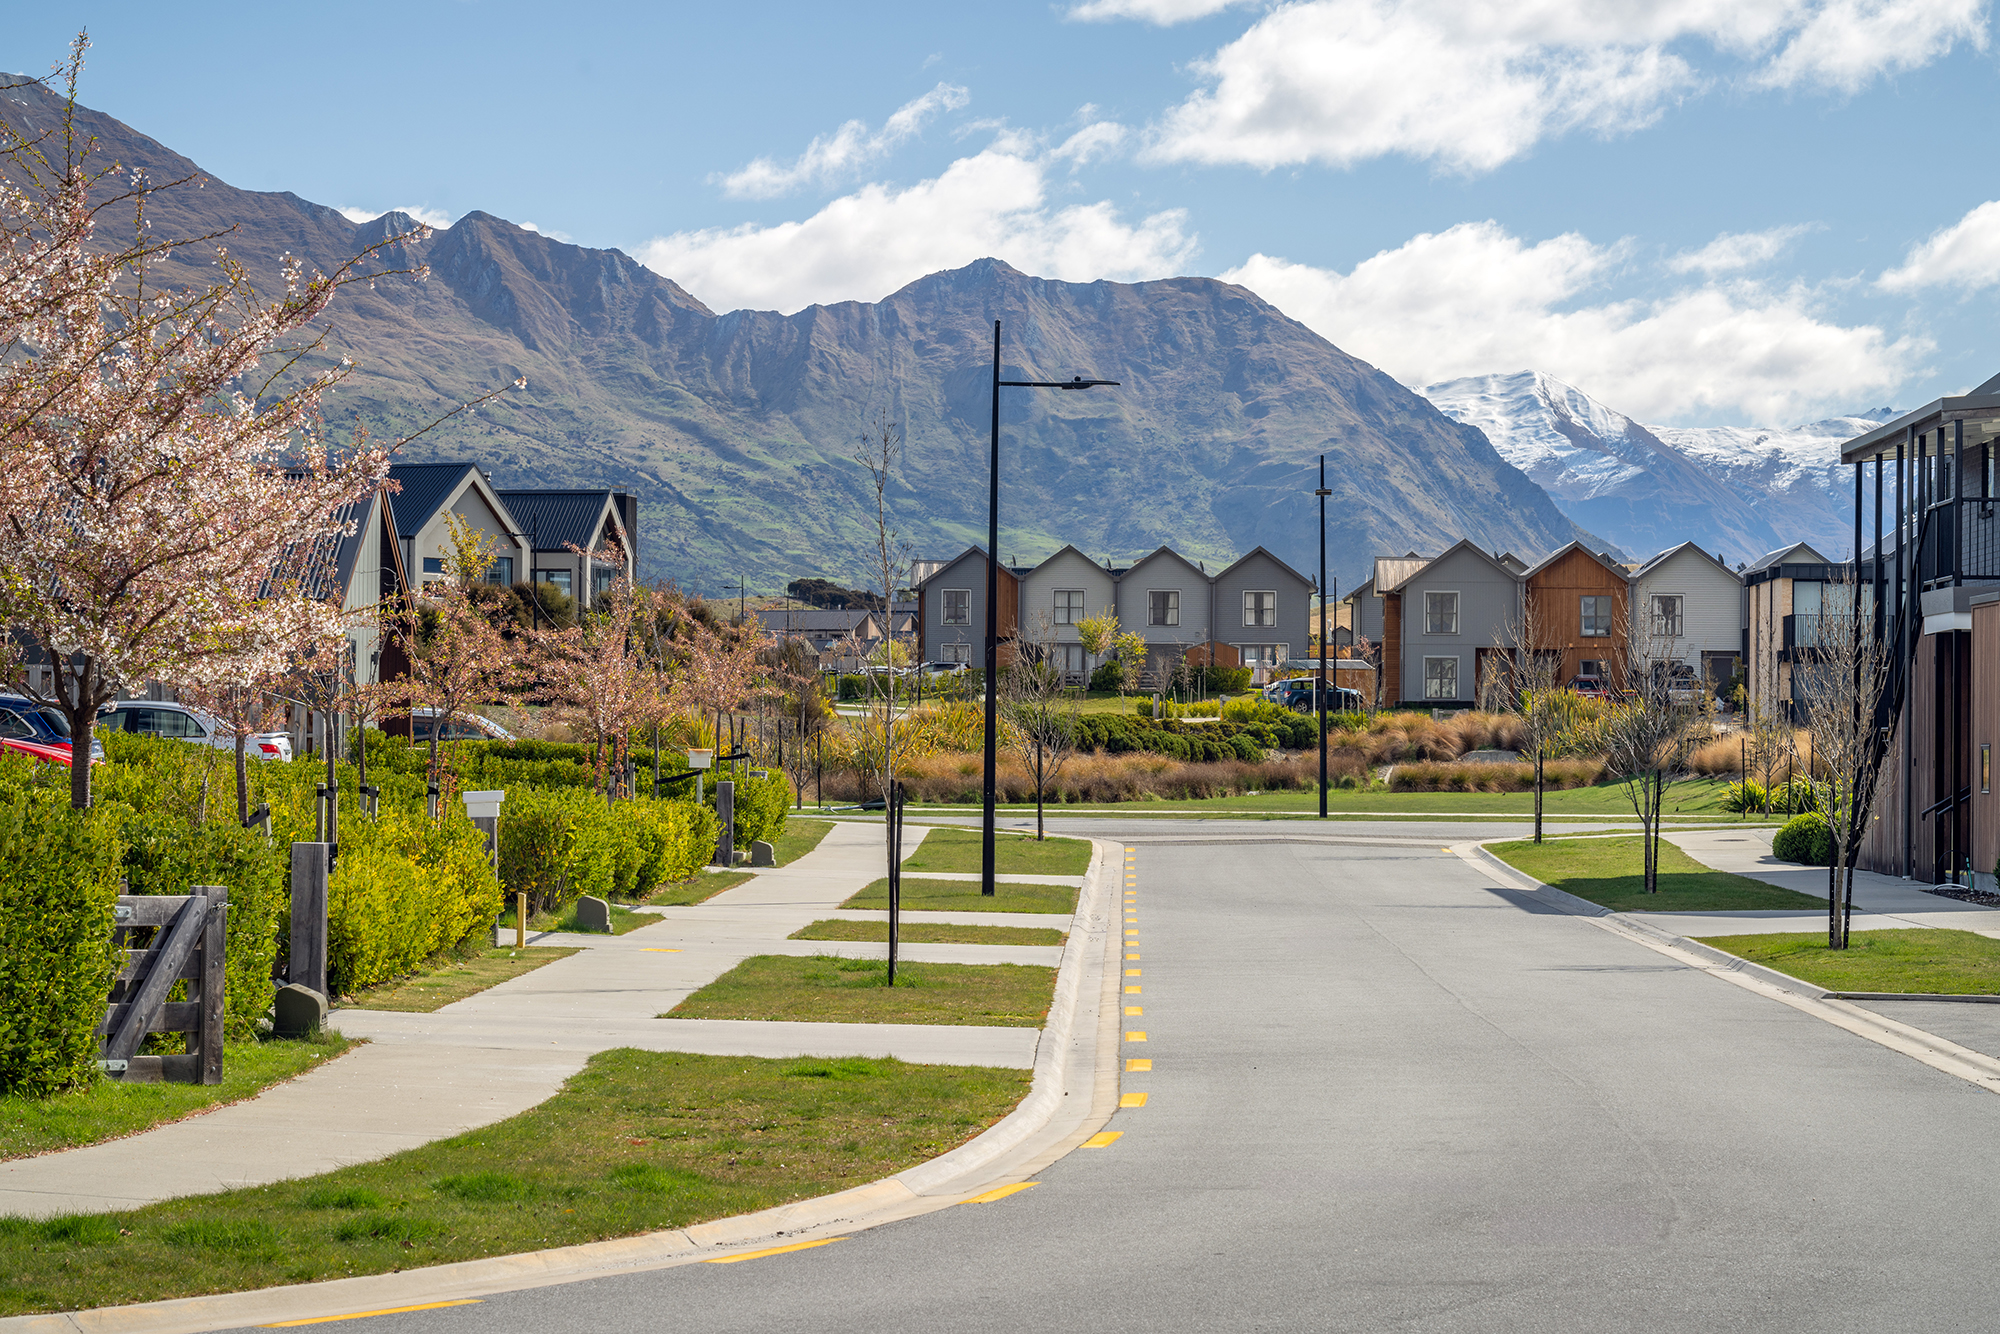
1165,597
1446,624
951,609
1581,603
431,495
1785,594
602,524
1688,599
826,631
1262,608
1063,590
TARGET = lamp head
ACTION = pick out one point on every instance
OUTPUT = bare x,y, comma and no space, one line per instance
1078,382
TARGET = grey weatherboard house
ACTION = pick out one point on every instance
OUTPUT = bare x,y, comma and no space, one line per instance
1456,610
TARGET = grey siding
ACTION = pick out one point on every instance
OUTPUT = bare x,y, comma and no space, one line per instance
1711,603
968,572
1066,569
1367,613
1163,571
1488,598
1255,572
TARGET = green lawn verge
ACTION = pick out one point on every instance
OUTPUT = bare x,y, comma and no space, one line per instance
108,1109
823,989
963,896
1013,854
1922,960
436,987
930,933
700,888
1609,872
623,919
635,1142
800,837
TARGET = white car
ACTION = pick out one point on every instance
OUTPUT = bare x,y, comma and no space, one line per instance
145,717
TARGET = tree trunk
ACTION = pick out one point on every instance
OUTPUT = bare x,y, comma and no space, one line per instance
1538,792
242,778
1041,788
79,705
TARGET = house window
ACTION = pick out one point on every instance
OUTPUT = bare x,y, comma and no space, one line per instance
1593,667
959,652
1069,606
1596,616
1260,608
601,581
433,565
1440,678
501,571
1667,615
1069,657
1163,607
957,608
560,578
1256,656
1441,617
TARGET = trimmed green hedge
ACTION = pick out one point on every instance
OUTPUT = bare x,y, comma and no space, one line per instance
1246,730
1804,838
556,846
58,884
761,807
405,887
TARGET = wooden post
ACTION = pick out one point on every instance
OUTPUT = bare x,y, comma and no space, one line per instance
307,967
521,921
725,810
214,982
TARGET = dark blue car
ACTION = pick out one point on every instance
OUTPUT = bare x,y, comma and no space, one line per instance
25,720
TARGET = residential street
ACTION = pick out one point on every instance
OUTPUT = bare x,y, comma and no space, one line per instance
1387,1095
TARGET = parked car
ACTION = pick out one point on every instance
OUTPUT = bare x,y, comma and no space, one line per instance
943,668
146,717
462,727
24,720
1590,687
35,750
1296,693
1682,685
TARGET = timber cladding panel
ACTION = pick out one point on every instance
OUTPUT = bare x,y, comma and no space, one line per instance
1557,589
1985,738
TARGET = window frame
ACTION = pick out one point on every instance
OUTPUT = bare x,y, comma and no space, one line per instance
1679,629
501,571
1453,659
1066,612
1258,611
1457,606
562,579
1585,618
945,616
1170,612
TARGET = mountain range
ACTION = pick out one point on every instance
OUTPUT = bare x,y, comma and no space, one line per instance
738,431
1738,491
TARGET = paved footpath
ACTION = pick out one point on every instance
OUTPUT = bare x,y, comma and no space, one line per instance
423,1077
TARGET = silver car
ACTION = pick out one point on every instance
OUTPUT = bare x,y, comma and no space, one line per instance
144,717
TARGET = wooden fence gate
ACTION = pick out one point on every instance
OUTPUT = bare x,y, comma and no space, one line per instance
188,943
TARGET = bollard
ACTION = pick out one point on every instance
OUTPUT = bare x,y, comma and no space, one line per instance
725,811
520,921
307,967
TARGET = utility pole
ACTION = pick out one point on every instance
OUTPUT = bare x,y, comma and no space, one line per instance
1320,691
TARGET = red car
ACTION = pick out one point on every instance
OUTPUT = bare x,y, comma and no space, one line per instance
36,750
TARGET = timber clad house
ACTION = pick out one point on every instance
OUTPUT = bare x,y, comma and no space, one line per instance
1255,613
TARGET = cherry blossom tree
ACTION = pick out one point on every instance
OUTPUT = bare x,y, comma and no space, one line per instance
600,677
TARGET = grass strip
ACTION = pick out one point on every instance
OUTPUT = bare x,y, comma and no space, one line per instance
800,837
623,919
108,1109
1610,872
930,933
964,896
699,888
636,1141
434,988
823,989
958,850
1924,960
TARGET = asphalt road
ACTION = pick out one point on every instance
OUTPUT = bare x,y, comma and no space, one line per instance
1386,1095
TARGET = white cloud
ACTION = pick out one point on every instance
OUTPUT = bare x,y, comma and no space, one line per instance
549,232
1474,299
1965,255
877,239
1733,252
1471,84
834,157
1096,140
430,217
1162,12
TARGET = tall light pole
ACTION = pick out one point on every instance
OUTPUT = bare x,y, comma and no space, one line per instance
986,849
1320,692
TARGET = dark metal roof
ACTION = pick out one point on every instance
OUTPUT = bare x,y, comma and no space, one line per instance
817,620
560,519
426,486
1885,438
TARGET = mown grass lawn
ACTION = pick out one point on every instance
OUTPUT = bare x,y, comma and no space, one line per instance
108,1109
438,986
958,850
921,895
698,888
824,989
637,1141
1610,872
800,837
1921,960
930,933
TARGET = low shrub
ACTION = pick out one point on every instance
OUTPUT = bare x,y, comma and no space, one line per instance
761,807
58,884
1744,797
1804,838
556,846
404,889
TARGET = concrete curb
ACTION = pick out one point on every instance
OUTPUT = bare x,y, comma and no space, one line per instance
1071,1059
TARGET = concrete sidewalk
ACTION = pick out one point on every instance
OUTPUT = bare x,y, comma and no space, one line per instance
423,1077
1881,902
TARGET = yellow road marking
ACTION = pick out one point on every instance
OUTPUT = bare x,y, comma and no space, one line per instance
1135,1035
1104,1139
774,1250
363,1315
1133,1009
1131,972
1133,991
1131,958
1132,1100
995,1196
1138,1064
654,949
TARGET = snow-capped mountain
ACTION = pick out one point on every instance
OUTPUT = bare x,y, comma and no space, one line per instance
1739,491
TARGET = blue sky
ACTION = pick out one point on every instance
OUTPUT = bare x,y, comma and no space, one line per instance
1699,211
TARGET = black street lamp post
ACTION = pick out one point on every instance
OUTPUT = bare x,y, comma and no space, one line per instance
1322,493
986,848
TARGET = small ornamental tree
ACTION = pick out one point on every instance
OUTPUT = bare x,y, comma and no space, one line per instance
1098,634
599,677
1041,715
1650,734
